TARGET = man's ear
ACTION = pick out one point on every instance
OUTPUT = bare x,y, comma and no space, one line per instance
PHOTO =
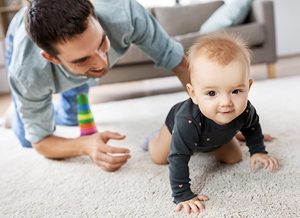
191,92
250,83
49,57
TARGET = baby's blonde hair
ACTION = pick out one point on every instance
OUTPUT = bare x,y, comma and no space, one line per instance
219,47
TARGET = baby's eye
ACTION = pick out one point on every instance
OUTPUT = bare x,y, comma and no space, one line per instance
211,93
236,91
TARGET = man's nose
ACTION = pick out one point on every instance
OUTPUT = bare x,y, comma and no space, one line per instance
100,59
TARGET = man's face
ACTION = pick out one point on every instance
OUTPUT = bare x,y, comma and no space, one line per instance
86,54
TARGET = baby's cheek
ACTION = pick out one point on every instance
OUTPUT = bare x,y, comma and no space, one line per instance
242,105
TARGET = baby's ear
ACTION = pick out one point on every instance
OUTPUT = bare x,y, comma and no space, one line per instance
191,92
250,83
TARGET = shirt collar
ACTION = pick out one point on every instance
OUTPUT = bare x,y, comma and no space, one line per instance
70,75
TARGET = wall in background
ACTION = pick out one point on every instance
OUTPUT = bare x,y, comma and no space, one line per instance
287,18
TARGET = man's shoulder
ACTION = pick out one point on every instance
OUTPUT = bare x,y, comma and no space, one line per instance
117,16
31,79
108,9
25,54
18,19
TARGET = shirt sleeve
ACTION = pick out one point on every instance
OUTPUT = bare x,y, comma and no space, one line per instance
151,38
127,22
34,107
252,132
184,139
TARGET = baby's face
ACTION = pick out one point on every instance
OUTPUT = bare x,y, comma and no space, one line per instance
221,92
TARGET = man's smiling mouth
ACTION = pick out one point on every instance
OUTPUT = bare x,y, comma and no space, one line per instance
99,70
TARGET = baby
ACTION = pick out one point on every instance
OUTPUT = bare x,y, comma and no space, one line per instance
218,108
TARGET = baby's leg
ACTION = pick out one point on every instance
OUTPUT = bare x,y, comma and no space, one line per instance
229,153
159,146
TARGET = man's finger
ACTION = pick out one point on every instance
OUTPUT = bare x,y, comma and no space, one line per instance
110,167
112,135
114,159
114,150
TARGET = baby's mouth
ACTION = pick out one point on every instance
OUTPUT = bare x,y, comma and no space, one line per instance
226,112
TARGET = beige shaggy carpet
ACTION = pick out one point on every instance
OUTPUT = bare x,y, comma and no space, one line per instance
33,186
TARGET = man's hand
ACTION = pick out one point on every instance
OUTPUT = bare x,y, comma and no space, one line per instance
105,156
265,159
193,204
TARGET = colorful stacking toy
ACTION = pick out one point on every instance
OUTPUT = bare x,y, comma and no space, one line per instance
85,116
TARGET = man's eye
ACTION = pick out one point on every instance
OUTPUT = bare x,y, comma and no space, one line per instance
236,91
211,93
80,61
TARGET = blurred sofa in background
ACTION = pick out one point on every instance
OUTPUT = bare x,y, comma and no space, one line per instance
183,23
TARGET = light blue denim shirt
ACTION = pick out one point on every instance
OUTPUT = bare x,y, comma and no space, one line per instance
33,79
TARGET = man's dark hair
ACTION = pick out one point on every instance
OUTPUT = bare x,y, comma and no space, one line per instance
48,22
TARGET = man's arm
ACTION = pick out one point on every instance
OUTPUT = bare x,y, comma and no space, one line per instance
181,71
94,145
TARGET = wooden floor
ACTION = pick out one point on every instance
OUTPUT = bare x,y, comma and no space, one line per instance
285,66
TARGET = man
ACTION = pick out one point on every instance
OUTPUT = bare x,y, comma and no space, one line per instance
64,47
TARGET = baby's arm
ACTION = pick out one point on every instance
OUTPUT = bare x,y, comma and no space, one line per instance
179,178
182,146
254,140
265,159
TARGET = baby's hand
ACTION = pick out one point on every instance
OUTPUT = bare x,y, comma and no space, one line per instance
193,204
265,159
